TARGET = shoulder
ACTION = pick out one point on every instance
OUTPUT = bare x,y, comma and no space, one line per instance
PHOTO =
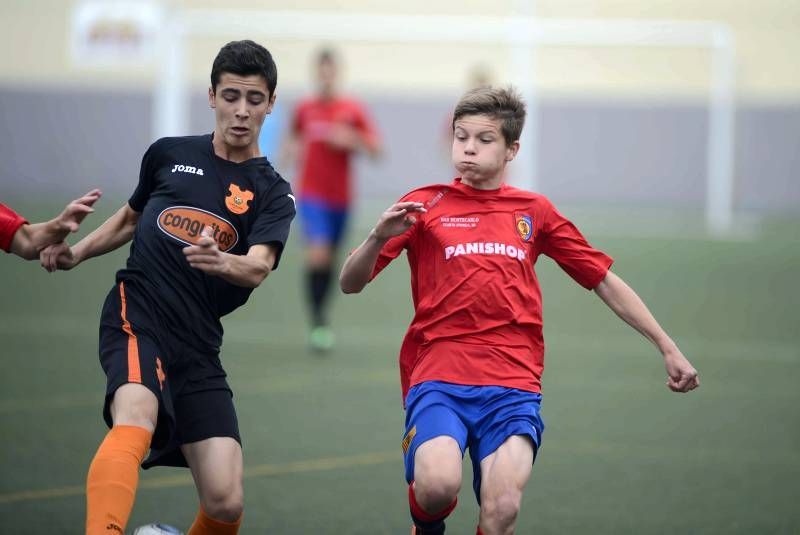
352,104
430,194
535,201
167,144
270,182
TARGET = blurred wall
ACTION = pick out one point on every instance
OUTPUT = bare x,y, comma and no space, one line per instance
615,124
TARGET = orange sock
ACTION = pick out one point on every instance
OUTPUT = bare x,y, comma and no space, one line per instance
205,525
113,477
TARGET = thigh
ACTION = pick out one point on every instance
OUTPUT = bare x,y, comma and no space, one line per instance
508,468
203,407
435,435
505,413
216,465
438,458
134,363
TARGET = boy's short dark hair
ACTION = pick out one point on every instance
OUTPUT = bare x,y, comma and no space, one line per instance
503,103
245,58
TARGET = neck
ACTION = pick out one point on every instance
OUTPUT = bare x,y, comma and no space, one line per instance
233,154
487,184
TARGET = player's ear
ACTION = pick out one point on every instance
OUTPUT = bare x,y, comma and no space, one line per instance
271,103
512,150
211,102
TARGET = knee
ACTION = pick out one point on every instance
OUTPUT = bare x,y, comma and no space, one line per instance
226,505
436,491
502,509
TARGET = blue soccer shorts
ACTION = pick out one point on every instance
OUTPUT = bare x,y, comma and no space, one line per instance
322,223
480,418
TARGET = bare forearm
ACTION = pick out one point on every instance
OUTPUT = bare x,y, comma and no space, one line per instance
114,233
630,308
30,239
245,271
358,267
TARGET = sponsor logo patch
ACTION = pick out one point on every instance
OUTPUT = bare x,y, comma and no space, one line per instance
524,225
408,438
459,222
237,200
186,224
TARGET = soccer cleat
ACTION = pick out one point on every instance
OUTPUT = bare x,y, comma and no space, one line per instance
321,339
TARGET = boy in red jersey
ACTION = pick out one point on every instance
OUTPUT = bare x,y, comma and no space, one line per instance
25,240
326,131
472,359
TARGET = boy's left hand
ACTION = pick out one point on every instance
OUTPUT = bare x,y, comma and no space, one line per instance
682,375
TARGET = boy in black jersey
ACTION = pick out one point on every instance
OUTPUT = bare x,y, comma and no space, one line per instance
208,220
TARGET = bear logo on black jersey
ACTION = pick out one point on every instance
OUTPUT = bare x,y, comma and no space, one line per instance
238,200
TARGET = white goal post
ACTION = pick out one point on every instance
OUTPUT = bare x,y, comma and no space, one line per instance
521,33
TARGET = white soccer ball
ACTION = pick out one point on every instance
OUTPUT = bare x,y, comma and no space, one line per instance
157,529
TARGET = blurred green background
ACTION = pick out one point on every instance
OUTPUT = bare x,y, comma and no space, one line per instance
621,454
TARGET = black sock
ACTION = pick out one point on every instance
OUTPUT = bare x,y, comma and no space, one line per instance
319,282
428,528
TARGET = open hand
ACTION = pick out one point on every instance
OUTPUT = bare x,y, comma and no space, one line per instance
397,219
74,213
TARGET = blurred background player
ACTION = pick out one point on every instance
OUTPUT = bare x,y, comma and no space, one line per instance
326,131
209,220
26,240
472,359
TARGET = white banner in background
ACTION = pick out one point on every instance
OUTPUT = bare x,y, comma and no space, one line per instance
115,32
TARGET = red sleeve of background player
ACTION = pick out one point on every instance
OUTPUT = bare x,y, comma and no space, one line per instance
564,243
10,221
296,124
366,127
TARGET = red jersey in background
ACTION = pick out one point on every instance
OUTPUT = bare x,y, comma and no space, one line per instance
325,170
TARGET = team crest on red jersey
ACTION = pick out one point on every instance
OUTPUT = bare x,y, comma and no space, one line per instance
238,200
524,225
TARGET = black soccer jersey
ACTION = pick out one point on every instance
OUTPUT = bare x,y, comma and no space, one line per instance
184,188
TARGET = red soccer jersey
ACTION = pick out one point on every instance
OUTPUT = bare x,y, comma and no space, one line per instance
477,302
10,221
325,170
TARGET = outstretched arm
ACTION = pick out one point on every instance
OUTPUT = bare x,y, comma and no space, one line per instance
628,305
114,233
30,239
358,267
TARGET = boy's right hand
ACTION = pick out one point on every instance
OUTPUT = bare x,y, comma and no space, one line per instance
397,219
58,256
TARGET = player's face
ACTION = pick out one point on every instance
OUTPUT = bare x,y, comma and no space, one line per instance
480,152
240,103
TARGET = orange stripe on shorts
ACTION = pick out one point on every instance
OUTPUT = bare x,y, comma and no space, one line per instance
134,371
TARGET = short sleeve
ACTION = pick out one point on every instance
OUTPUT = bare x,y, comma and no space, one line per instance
296,125
274,219
366,126
10,221
146,179
392,248
564,243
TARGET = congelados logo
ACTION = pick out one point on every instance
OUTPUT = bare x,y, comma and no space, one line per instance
186,224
